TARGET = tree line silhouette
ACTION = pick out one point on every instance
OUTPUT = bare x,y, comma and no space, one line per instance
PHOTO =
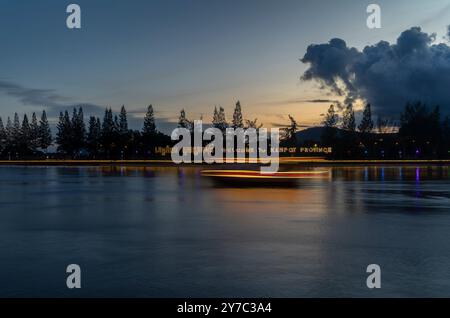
23,139
421,133
106,138
109,138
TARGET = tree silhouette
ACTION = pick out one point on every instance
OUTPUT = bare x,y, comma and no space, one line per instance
16,134
2,136
421,128
108,133
9,136
216,120
421,133
366,125
219,119
116,125
183,122
34,133
25,134
45,134
123,121
94,136
330,121
124,133
348,119
63,135
78,131
149,122
331,118
237,117
149,132
289,133
252,123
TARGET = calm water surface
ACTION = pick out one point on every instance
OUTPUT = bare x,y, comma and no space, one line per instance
168,232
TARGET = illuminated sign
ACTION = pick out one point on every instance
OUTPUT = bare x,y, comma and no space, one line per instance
315,149
164,151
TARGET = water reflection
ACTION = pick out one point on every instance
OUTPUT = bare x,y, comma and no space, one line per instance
168,231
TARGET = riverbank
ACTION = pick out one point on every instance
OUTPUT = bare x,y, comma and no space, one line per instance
298,161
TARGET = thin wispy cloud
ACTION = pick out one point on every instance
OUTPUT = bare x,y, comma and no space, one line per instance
296,101
31,96
49,99
441,13
54,103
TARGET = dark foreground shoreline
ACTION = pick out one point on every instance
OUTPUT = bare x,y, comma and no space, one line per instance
302,162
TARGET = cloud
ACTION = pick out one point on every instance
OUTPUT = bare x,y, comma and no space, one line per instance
320,101
295,101
47,98
31,96
386,75
54,103
440,14
286,124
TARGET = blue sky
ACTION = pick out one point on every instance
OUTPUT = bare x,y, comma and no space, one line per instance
185,54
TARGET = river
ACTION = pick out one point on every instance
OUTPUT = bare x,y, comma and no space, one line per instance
169,232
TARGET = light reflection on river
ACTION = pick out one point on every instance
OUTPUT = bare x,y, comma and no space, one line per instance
169,232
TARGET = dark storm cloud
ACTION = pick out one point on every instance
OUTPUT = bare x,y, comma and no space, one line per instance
386,75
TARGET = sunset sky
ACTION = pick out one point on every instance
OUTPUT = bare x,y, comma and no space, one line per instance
186,54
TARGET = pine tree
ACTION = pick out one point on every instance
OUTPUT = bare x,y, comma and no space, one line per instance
349,139
348,119
99,126
108,123
123,122
45,134
124,134
34,132
329,134
9,134
25,135
116,124
237,117
109,132
149,122
331,118
216,119
94,136
60,134
223,120
16,133
219,119
78,130
116,132
366,125
64,134
149,132
2,136
183,122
